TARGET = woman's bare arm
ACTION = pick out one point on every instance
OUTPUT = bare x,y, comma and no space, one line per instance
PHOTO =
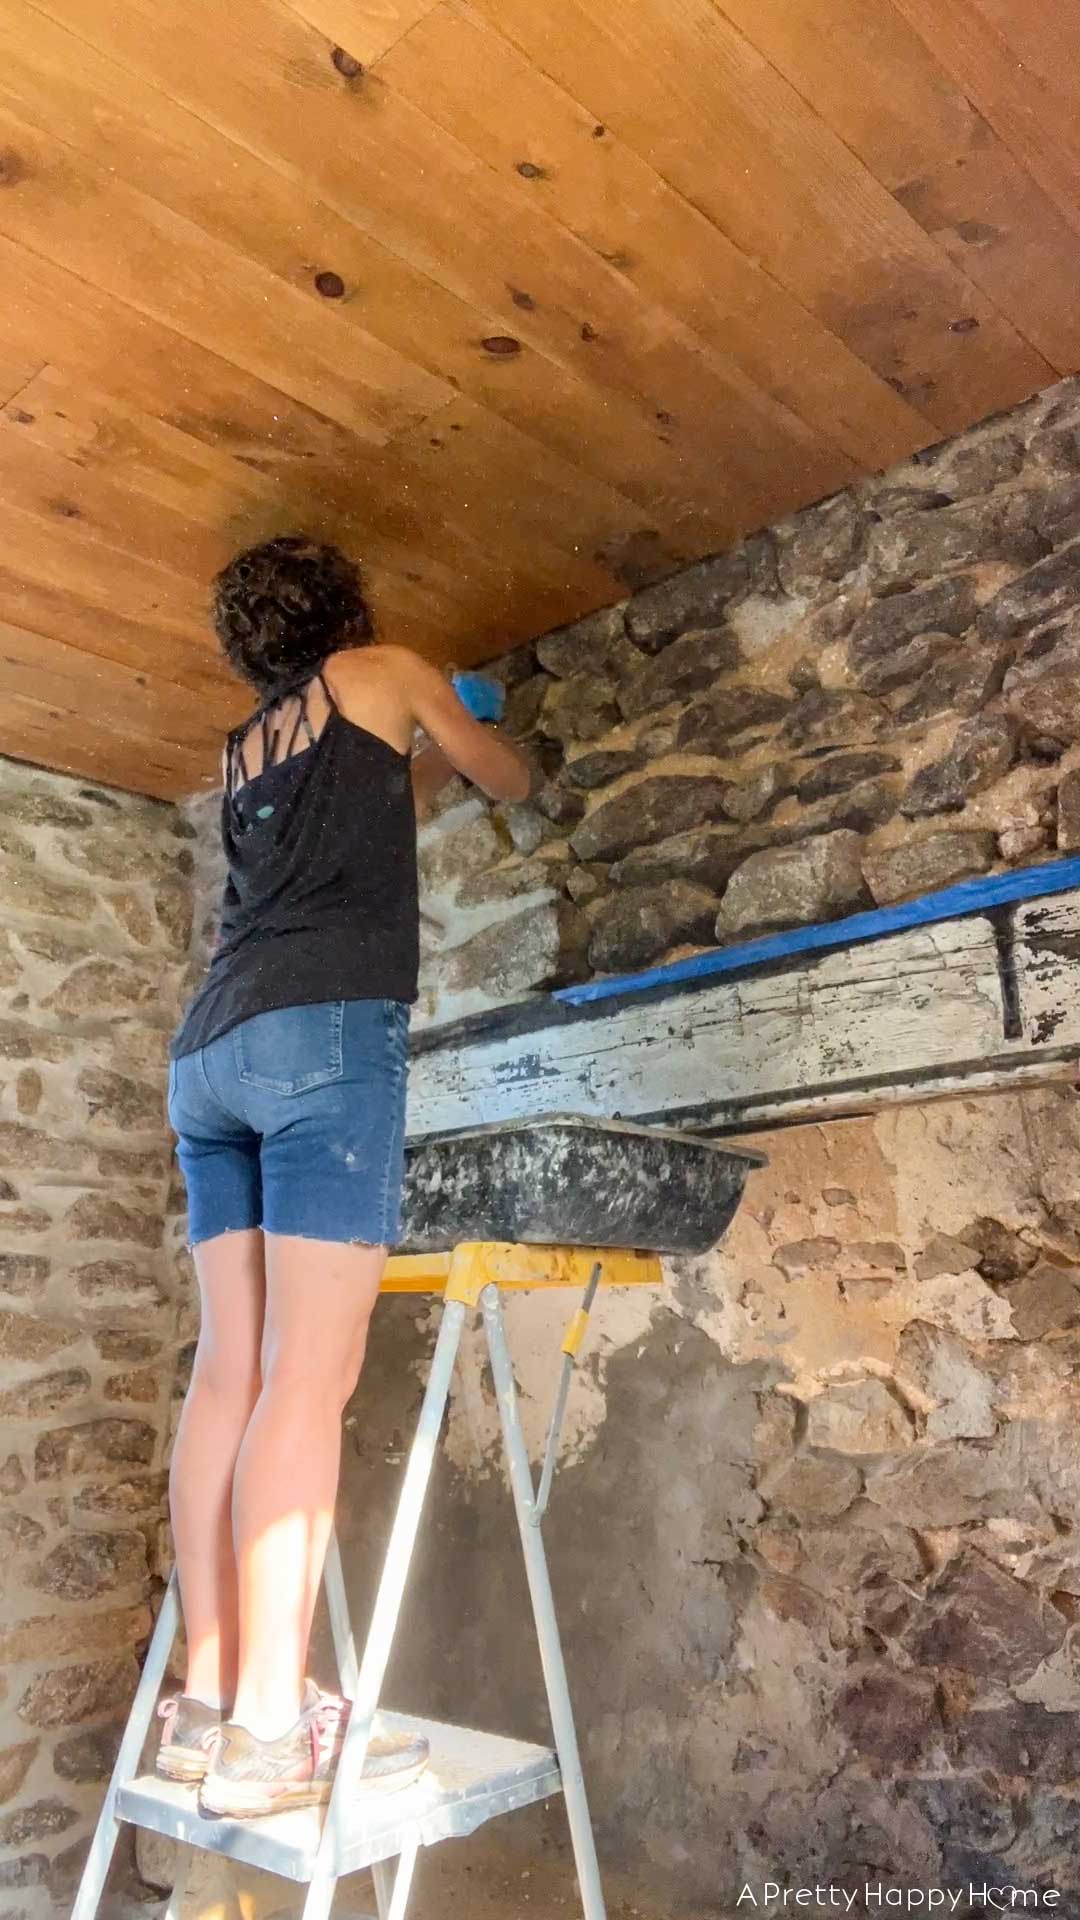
431,772
485,756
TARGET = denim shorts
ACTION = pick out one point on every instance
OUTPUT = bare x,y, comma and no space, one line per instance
294,1121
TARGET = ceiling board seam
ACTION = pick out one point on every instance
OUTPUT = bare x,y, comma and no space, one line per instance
83,529
81,536
137,674
53,710
213,353
10,399
374,435
918,235
1002,124
180,750
93,779
725,362
789,81
722,366
488,318
368,64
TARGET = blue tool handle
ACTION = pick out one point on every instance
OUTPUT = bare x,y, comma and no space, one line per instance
483,698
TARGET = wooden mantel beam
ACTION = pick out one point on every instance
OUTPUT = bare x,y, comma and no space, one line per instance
979,1004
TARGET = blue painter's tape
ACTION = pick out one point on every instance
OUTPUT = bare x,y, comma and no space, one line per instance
968,896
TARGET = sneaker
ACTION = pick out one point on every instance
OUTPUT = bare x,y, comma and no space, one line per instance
249,1776
187,1740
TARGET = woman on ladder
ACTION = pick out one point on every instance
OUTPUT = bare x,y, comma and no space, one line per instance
287,1094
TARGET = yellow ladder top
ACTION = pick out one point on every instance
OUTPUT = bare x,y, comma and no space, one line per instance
463,1271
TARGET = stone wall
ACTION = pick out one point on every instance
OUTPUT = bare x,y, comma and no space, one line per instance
873,699
96,895
813,1538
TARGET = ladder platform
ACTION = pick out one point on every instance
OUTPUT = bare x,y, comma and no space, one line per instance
471,1778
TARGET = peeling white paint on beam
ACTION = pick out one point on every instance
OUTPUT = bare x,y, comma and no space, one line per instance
968,1005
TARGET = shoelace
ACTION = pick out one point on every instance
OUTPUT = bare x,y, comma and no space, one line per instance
328,1718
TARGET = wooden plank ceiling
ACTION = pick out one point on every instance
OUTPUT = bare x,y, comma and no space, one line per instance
522,302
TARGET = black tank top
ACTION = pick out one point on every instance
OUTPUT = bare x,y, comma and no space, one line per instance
320,899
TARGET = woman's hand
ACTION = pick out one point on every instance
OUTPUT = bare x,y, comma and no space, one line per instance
481,753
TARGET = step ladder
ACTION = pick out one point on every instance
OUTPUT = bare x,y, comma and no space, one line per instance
472,1776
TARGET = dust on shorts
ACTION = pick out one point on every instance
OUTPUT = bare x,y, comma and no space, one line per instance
294,1121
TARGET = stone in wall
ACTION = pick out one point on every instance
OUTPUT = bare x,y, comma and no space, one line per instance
714,724
830,717
949,608
599,768
640,922
707,855
1044,687
600,639
696,597
839,772
823,545
996,526
982,750
1034,598
579,708
859,1417
687,665
782,886
982,1622
913,867
650,809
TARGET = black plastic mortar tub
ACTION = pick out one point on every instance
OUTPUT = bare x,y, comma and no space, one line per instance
570,1181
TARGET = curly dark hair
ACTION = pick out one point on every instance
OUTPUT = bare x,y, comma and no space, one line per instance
280,608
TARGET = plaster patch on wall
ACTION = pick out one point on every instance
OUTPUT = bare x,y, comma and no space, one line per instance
807,1276
535,1324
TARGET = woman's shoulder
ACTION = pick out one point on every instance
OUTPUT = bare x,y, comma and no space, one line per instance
377,660
371,686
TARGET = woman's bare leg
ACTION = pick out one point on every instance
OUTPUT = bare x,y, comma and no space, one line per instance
319,1299
224,1388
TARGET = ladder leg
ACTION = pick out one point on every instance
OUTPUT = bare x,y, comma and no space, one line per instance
547,1631
337,1606
106,1833
382,1874
387,1608
406,1866
320,1897
393,1884
176,1897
